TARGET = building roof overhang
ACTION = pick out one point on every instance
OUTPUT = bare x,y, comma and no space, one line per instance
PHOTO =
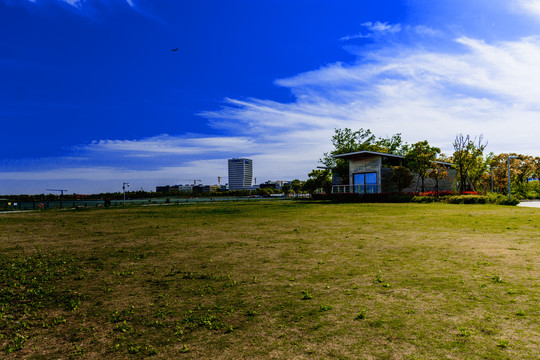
365,154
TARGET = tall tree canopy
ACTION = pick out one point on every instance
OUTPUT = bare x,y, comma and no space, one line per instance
437,173
402,177
420,159
520,170
318,179
468,154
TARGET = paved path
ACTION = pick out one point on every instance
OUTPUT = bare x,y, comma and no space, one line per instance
535,204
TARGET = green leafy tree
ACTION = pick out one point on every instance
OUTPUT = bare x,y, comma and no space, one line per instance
296,185
347,141
468,155
478,173
392,145
420,159
319,179
526,168
520,170
535,163
437,173
402,177
264,192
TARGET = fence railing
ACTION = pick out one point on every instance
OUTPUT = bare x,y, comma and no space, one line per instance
357,189
57,204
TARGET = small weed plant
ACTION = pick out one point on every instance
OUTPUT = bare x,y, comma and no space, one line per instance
361,315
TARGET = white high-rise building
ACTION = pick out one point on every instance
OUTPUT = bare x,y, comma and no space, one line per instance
240,173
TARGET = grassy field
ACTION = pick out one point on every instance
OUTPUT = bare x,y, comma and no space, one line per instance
284,280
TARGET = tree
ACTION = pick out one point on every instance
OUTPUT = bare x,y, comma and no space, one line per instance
478,172
467,155
437,173
420,158
296,185
393,145
319,179
535,163
520,170
402,178
347,141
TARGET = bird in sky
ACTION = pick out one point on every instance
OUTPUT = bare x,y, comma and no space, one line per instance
175,49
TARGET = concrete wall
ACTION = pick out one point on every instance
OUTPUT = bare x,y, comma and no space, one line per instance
372,164
446,184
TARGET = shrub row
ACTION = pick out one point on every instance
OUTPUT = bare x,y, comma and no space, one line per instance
466,199
419,198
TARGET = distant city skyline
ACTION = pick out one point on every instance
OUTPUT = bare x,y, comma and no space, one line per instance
95,93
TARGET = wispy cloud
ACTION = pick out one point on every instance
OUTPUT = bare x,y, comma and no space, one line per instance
78,4
424,95
165,144
355,36
75,3
382,27
375,29
532,6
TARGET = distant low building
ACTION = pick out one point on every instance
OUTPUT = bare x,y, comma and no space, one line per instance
185,188
163,189
268,185
273,184
174,188
206,188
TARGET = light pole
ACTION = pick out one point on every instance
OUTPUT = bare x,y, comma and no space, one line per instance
493,167
124,188
509,186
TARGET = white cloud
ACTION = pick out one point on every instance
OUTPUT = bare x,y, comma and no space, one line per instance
376,29
532,6
488,89
75,3
165,144
355,36
382,27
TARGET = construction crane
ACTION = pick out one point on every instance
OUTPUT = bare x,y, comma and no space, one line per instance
61,191
194,181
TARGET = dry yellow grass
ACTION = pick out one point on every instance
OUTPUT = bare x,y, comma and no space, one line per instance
229,281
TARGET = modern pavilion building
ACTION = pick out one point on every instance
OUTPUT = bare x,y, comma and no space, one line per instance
370,172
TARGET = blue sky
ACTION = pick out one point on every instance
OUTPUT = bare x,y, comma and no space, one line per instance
91,94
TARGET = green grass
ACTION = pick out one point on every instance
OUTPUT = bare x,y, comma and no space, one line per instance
271,280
